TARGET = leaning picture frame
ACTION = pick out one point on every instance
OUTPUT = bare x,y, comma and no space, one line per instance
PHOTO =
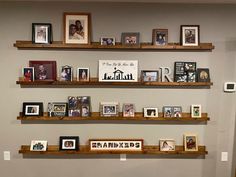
190,35
66,73
32,109
150,112
108,41
77,27
41,33
196,111
28,74
58,109
130,39
38,145
109,109
83,74
149,75
160,36
69,143
167,144
190,142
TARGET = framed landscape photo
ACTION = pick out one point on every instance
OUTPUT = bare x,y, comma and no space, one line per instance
41,33
109,109
167,145
150,112
83,74
32,109
59,109
190,35
203,75
66,73
149,76
160,36
38,145
28,74
77,27
69,143
44,70
196,111
108,41
190,142
130,39
128,110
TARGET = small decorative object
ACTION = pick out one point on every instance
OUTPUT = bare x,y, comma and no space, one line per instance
38,145
32,109
165,74
116,145
196,111
77,28
167,145
44,70
66,73
190,142
118,70
203,75
190,35
128,110
160,36
69,143
149,75
41,33
130,39
109,109
150,112
59,109
177,111
108,41
168,111
83,74
28,74
79,106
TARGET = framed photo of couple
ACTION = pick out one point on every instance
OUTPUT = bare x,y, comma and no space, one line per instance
190,35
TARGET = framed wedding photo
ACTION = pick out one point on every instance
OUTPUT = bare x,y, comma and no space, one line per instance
196,111
150,112
167,145
108,41
77,27
41,33
109,109
66,73
83,74
38,145
130,39
190,35
160,36
28,74
69,143
190,142
149,76
32,109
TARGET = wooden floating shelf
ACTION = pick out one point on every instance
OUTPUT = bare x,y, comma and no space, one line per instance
118,46
84,149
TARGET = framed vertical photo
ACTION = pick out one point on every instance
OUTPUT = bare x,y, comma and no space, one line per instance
83,74
177,111
108,41
203,75
66,73
150,112
69,143
77,27
38,145
168,111
190,35
28,74
167,145
149,76
109,109
196,111
32,109
41,33
130,39
190,142
128,110
160,36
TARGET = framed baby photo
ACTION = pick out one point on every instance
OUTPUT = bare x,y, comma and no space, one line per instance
109,109
69,143
66,73
149,76
128,110
203,75
190,35
150,112
44,70
190,142
41,33
32,109
130,39
196,111
177,111
38,145
77,28
83,74
28,74
160,36
168,111
167,145
108,41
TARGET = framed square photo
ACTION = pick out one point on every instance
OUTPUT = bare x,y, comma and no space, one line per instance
128,110
69,143
28,74
38,145
109,109
150,112
44,70
108,41
190,35
32,109
83,74
196,111
130,39
167,145
149,76
160,36
77,28
41,33
190,142
203,75
66,73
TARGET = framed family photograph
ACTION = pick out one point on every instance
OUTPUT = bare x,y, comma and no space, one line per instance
41,33
77,28
167,145
108,41
83,74
69,143
38,145
57,109
109,109
28,74
149,76
190,35
190,142
44,70
128,110
130,39
150,112
160,36
203,75
196,111
66,73
32,109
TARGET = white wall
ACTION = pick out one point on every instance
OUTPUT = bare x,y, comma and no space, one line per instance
217,23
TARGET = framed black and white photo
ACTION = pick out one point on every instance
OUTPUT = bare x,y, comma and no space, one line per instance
66,73
28,74
160,36
149,76
128,110
177,111
168,111
190,35
38,145
150,112
41,33
108,41
59,109
130,39
69,143
167,145
196,111
190,142
83,74
203,75
32,109
109,109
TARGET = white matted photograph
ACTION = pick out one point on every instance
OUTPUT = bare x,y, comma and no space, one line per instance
109,109
66,73
196,111
150,112
190,35
167,145
38,145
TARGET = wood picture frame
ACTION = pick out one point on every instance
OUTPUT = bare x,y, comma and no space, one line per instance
130,39
32,109
41,33
190,35
160,36
69,143
190,142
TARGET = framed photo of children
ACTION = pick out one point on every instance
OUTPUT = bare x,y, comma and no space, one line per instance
190,35
160,36
83,74
66,73
190,142
69,143
77,28
28,74
41,33
196,111
130,39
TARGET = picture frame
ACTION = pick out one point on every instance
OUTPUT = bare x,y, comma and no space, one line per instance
160,36
149,75
203,75
150,112
77,28
128,110
196,111
190,142
41,33
38,145
28,74
32,109
83,74
130,39
44,70
167,144
108,41
190,35
66,73
58,109
69,143
109,109
167,111
177,111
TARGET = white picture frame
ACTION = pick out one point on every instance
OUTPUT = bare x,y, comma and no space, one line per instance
196,111
150,112
190,142
38,145
167,144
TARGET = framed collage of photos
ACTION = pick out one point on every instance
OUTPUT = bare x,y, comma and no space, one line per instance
69,143
79,106
41,33
172,111
32,109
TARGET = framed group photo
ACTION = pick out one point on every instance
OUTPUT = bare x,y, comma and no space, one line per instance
69,143
190,35
32,109
108,41
167,145
130,39
41,33
160,36
66,73
57,109
150,112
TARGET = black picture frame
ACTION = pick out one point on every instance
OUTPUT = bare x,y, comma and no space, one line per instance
32,109
69,143
130,39
203,75
41,33
190,35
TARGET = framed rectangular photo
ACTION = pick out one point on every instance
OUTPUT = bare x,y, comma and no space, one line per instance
58,109
160,36
177,111
77,27
190,142
128,110
150,112
203,75
32,109
69,143
130,39
28,74
108,41
41,33
44,70
190,35
66,73
149,76
168,111
167,145
109,109
38,145
196,111
83,74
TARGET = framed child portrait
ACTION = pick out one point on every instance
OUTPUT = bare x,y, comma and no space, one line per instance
196,111
83,74
190,35
28,74
128,110
167,145
160,36
41,33
190,142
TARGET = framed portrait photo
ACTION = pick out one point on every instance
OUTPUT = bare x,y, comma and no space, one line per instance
190,35
108,41
203,75
83,74
38,145
44,70
130,39
66,73
150,112
32,109
109,109
160,36
190,142
168,111
177,111
41,33
69,143
196,111
28,74
149,76
167,145
77,28
128,110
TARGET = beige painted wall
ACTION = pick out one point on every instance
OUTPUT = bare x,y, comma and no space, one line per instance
217,26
